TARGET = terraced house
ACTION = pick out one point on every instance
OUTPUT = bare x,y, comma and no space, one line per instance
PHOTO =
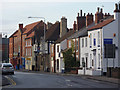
103,45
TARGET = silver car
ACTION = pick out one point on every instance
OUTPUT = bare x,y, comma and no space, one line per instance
6,68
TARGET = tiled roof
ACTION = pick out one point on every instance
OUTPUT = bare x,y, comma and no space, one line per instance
31,35
102,24
68,34
53,32
30,26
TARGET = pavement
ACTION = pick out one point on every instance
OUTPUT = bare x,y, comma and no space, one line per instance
99,78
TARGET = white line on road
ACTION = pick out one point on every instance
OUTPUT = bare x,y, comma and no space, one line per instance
69,85
68,80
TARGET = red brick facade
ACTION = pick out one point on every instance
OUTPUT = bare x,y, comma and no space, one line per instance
17,43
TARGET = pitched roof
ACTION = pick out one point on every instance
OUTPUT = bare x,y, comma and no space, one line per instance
102,24
31,35
53,32
82,32
30,26
68,34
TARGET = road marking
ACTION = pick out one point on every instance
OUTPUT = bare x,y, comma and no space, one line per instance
69,85
13,82
67,80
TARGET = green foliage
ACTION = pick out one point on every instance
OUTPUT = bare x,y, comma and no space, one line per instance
70,57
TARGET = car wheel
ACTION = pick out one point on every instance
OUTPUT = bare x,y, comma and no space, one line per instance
12,73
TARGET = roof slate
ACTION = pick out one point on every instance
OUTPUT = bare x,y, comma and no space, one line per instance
82,32
53,32
68,34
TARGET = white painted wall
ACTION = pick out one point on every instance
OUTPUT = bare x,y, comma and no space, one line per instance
95,57
84,51
106,33
61,62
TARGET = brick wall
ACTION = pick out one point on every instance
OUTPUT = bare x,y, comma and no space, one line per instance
115,72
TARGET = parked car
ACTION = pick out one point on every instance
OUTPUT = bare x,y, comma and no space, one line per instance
6,68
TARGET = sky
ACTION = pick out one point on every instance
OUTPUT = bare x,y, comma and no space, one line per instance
12,12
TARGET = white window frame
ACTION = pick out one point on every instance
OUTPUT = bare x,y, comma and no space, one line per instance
82,42
90,60
99,60
77,45
70,44
86,42
90,39
30,51
26,43
98,38
26,51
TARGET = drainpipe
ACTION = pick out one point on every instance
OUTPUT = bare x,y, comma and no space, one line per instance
101,54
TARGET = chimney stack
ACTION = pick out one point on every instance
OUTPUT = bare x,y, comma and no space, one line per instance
116,8
81,21
49,25
20,26
74,26
98,16
89,19
63,26
107,15
117,11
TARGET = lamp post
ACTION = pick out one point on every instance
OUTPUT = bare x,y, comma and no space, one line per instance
43,40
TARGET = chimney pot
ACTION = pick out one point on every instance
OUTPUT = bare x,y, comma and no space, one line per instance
98,9
81,12
20,26
78,14
74,22
101,10
91,14
84,14
108,13
88,13
116,6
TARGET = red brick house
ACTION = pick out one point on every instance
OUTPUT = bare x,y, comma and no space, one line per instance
17,43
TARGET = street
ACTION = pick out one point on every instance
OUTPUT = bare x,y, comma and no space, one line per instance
38,80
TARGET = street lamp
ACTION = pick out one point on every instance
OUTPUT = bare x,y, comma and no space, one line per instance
43,38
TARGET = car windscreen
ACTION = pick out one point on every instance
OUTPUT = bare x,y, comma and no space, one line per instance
7,65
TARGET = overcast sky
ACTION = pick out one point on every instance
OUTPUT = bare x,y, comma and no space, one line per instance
14,13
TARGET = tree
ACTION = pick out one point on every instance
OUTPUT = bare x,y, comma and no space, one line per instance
70,57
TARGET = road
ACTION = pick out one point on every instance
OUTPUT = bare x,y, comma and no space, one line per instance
37,80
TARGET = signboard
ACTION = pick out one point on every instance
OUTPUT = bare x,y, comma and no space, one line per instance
109,51
108,41
28,58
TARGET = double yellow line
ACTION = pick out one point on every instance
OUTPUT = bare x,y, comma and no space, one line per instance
13,82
